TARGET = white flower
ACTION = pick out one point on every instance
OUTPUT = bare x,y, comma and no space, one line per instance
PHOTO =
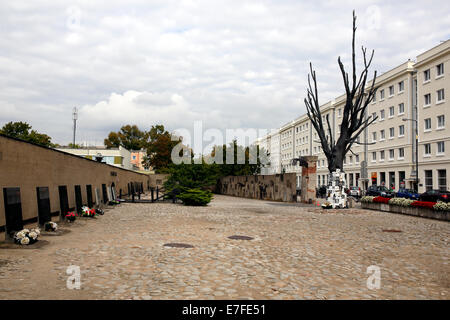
25,240
26,231
37,231
20,234
33,235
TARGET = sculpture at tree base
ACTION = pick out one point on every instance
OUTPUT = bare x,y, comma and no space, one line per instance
336,196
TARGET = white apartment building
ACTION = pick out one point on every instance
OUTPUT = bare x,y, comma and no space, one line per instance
414,94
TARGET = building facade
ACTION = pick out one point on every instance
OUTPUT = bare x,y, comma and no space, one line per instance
119,157
137,156
412,112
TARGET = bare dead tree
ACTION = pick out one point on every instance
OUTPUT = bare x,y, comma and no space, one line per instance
354,119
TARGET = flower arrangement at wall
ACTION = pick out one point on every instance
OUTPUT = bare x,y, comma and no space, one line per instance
381,200
367,199
27,236
71,216
88,212
441,206
113,202
50,226
423,204
403,202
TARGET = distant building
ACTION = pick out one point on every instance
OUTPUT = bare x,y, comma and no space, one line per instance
119,157
137,156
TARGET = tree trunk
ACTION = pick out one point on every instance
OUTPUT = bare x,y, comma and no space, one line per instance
337,160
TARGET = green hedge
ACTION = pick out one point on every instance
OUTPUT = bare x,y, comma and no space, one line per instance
195,197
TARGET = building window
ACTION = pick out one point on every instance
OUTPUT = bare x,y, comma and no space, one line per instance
401,86
427,148
339,112
401,153
134,157
357,159
440,122
374,156
374,136
401,108
382,135
427,99
382,155
391,154
391,91
382,114
382,94
427,124
391,112
441,147
426,75
391,133
401,130
442,180
374,115
428,180
440,95
440,69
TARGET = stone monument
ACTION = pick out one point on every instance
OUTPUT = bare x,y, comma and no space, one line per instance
336,196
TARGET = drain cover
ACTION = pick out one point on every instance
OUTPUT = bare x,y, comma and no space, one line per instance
391,230
178,245
240,238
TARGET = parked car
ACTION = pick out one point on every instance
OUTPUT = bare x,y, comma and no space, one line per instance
407,193
379,191
354,192
435,195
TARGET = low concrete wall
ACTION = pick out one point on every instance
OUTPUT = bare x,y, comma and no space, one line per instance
280,187
411,211
27,166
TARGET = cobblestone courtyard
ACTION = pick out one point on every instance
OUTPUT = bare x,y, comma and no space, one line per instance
297,253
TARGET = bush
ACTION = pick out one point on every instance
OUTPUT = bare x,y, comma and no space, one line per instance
403,202
367,199
423,204
381,200
195,197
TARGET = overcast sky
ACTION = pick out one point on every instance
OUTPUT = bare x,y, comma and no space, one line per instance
231,64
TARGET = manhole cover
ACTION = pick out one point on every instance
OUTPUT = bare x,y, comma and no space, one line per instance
240,238
391,230
178,245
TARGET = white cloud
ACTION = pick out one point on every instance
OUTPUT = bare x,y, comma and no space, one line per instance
229,63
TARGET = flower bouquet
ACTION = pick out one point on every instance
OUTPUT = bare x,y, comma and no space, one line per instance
27,236
71,216
113,202
50,226
88,212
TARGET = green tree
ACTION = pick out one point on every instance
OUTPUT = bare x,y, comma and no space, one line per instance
159,148
21,130
129,137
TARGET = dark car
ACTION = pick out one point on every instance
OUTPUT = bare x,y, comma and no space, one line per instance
435,195
380,191
407,193
321,191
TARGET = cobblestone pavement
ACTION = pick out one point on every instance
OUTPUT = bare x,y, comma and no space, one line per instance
296,253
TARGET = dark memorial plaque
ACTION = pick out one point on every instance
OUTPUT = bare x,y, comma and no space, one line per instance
105,193
63,201
78,198
89,196
43,201
13,210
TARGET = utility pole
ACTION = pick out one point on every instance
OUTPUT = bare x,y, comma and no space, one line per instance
74,118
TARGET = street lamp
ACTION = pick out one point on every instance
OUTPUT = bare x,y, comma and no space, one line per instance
417,151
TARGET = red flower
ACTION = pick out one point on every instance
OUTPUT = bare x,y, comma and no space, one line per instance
423,204
381,200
